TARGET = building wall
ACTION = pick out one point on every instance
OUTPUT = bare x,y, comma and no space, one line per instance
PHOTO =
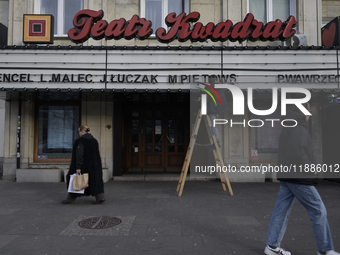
11,116
309,16
330,10
95,114
4,4
2,128
99,113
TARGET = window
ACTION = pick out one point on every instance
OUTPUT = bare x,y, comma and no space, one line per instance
265,139
157,10
269,10
4,9
63,12
56,131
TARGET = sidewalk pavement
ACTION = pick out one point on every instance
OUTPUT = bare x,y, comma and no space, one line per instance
205,220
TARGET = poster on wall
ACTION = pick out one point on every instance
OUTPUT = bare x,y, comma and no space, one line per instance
60,128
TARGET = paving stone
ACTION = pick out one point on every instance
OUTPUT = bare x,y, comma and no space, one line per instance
5,239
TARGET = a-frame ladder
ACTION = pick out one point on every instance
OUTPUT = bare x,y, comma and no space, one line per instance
217,154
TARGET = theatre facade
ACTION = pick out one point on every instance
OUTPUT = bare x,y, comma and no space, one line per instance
129,79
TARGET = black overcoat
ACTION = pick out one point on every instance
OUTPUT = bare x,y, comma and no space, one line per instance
91,164
295,150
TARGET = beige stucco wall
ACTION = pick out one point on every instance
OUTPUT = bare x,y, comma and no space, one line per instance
95,114
2,127
11,116
98,114
309,15
330,10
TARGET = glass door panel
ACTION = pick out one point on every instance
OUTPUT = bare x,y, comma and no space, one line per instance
176,140
153,141
135,139
158,134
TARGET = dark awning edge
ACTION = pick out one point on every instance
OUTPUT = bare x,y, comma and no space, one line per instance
184,48
94,90
142,90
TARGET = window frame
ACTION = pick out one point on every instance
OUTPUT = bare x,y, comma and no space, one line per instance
165,12
269,8
59,19
261,104
36,128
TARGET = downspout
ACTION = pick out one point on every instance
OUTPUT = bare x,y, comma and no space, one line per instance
337,66
106,69
19,132
221,63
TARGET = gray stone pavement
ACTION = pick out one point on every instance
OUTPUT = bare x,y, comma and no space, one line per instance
205,220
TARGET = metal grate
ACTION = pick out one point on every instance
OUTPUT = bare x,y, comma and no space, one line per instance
99,222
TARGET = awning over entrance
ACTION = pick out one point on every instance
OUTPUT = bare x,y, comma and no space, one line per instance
166,68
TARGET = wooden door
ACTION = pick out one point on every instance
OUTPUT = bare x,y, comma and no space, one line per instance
158,139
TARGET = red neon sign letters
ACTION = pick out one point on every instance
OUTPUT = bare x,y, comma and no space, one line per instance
88,23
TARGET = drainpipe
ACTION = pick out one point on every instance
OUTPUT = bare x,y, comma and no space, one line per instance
337,66
19,132
222,63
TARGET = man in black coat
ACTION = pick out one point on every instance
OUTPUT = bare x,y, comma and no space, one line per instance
86,159
296,152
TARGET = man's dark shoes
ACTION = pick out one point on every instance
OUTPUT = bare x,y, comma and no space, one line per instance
99,202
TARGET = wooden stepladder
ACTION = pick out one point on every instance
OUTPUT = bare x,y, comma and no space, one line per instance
217,154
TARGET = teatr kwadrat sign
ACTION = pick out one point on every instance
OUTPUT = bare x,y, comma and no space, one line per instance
89,23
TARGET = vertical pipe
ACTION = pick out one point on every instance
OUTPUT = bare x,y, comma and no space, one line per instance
118,163
19,132
337,66
105,68
222,63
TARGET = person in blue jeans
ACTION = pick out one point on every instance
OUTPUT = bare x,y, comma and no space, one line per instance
295,149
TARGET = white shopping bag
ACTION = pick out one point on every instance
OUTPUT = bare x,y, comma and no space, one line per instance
70,186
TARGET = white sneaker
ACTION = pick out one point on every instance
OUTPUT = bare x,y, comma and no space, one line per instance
330,253
278,251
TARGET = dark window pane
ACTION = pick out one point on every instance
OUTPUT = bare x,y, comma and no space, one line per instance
50,7
148,131
135,128
180,131
158,114
281,9
180,149
175,6
265,139
258,9
148,114
57,131
71,7
153,12
171,128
